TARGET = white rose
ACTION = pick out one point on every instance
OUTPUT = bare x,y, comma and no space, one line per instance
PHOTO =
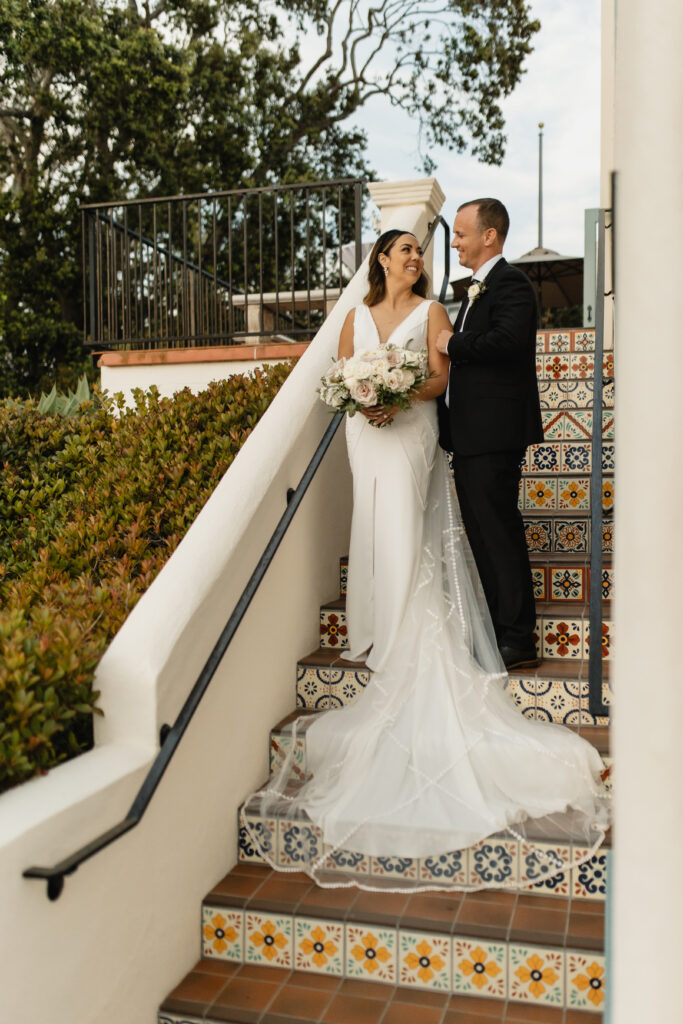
399,379
396,357
337,371
356,369
333,397
363,392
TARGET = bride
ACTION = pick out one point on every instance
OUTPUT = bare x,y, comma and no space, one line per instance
434,756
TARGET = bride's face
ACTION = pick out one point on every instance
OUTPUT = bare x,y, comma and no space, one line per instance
404,261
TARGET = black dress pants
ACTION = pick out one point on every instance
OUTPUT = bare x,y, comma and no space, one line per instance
487,487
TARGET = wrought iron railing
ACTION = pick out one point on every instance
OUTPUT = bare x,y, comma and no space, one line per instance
596,701
218,268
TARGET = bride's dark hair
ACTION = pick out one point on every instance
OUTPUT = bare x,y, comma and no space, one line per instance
376,276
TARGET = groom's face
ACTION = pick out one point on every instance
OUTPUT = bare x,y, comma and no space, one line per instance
469,240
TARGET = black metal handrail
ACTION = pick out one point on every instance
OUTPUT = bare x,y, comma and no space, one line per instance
596,704
171,736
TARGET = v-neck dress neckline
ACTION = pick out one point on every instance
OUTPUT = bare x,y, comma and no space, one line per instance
400,324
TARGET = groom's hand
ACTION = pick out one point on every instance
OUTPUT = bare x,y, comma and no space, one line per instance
442,339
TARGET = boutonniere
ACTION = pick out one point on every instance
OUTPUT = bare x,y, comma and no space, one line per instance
475,290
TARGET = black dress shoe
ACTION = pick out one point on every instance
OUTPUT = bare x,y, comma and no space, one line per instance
514,658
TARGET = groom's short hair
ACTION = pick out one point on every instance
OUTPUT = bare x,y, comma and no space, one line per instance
490,214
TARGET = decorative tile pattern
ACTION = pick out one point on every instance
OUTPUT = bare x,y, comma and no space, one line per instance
562,638
608,536
394,867
268,939
280,746
553,424
312,687
555,702
556,366
578,394
343,575
540,342
541,867
578,425
543,458
319,946
445,867
536,975
583,341
540,493
559,342
576,457
586,982
538,575
583,366
607,496
266,830
607,424
539,535
607,583
222,934
333,631
608,458
424,960
344,685
371,953
479,968
607,639
494,862
589,880
573,494
348,860
567,583
297,843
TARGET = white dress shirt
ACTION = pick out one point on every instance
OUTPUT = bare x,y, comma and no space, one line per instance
484,269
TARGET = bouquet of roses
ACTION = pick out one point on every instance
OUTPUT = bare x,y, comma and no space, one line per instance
387,376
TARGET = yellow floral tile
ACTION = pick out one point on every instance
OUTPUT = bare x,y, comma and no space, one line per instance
540,493
222,933
586,982
370,953
535,975
424,960
319,946
607,495
268,939
573,494
479,968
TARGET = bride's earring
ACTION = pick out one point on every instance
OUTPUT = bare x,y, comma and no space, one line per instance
386,271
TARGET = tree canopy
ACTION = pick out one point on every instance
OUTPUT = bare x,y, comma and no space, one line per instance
108,99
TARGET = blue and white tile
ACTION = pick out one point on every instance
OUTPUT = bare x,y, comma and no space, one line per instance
589,880
544,867
446,868
583,341
543,458
266,832
559,341
608,457
494,862
394,867
298,843
576,456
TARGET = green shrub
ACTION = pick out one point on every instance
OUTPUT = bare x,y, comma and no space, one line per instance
91,506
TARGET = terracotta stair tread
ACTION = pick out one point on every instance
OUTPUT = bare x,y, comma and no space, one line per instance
250,994
555,921
554,608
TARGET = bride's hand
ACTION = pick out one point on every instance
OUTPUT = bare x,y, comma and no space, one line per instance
380,415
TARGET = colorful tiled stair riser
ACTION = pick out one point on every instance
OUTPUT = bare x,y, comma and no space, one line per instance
508,933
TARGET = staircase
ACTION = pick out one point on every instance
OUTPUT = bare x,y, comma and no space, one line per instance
278,949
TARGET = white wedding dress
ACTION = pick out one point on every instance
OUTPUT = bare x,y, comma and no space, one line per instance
434,756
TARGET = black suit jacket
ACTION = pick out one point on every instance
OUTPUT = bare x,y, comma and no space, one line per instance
493,393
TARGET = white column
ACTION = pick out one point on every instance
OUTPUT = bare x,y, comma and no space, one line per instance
416,202
648,721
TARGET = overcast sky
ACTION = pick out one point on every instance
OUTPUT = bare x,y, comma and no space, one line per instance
561,88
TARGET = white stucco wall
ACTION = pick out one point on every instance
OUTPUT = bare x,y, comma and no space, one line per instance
169,378
648,717
127,926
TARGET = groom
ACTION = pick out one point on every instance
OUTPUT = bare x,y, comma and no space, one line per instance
488,416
